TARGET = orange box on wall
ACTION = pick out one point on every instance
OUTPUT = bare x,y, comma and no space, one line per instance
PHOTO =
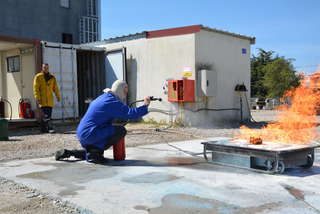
181,90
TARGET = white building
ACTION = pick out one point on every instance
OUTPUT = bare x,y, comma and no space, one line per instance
153,57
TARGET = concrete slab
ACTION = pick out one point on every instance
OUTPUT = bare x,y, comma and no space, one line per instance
169,178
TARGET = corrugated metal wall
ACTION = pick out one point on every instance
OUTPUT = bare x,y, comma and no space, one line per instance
91,77
62,64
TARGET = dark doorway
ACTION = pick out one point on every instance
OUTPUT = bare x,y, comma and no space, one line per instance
91,77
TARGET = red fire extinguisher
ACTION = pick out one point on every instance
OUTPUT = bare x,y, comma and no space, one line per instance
119,150
25,109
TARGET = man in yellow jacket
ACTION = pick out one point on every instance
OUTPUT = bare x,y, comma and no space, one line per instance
44,85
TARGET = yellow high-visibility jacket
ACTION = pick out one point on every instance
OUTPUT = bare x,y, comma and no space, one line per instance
43,90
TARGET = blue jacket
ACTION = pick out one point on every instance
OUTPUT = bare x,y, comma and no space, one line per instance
95,126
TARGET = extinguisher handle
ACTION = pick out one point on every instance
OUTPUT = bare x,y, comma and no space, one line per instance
152,98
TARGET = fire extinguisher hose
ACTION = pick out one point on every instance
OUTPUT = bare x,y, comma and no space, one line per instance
125,122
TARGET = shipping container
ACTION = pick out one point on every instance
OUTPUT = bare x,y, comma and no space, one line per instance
81,71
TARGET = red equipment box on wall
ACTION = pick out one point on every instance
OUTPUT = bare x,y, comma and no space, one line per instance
181,90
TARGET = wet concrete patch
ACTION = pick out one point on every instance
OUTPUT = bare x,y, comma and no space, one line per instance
152,177
11,166
69,175
182,161
298,194
139,207
195,163
265,208
183,203
168,161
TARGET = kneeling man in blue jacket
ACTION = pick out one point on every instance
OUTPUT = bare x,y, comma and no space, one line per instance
96,132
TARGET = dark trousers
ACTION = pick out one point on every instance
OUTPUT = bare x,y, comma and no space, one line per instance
44,124
92,152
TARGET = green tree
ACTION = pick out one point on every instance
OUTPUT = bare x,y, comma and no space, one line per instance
279,77
271,75
257,73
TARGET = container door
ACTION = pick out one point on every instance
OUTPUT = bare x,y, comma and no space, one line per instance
115,66
91,77
62,64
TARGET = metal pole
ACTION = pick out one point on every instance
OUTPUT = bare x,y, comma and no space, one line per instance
74,92
241,114
61,82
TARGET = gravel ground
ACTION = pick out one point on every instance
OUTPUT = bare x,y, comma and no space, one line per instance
29,143
17,198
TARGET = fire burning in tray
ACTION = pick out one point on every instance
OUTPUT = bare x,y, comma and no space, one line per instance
255,140
297,121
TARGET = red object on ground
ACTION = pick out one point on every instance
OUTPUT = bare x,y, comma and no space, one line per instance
119,150
25,109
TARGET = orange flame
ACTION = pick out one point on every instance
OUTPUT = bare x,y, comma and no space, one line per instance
296,122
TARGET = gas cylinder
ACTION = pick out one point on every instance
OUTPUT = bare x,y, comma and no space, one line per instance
119,150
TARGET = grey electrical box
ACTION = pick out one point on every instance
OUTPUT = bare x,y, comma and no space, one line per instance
208,82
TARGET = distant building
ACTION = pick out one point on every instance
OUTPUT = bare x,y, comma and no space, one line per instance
63,21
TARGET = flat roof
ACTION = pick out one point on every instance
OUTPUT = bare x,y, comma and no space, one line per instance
18,39
8,42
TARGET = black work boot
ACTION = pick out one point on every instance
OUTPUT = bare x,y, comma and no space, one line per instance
95,155
99,160
44,127
63,153
50,128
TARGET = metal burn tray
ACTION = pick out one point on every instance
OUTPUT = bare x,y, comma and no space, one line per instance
268,157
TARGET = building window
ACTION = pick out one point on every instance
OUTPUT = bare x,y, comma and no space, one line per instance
88,29
92,8
13,64
65,3
67,38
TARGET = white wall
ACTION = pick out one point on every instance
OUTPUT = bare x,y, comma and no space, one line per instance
151,61
28,72
232,67
18,84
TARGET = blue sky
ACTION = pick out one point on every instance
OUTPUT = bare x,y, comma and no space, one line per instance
291,28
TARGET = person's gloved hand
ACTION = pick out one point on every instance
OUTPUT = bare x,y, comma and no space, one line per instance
147,100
